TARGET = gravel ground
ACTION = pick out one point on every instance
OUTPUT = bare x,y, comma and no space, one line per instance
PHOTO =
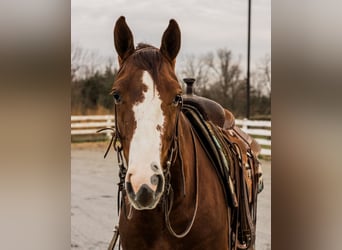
93,199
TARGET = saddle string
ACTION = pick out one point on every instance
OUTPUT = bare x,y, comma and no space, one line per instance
247,230
238,155
237,244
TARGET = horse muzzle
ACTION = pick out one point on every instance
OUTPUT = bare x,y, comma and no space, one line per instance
148,195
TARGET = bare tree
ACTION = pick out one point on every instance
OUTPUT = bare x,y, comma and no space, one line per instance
263,76
217,77
220,78
228,79
200,69
76,55
85,62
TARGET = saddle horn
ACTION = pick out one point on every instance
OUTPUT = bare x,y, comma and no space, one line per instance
189,85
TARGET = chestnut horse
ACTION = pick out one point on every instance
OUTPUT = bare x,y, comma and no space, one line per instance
171,194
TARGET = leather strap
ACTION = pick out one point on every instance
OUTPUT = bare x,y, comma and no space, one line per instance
168,202
114,239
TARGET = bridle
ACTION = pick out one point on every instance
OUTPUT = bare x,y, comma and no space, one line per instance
168,195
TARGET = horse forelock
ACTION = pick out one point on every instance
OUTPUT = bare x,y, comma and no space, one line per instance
148,58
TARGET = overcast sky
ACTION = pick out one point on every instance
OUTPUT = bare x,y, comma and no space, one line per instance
206,25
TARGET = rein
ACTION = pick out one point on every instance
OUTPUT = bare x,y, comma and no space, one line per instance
117,145
168,196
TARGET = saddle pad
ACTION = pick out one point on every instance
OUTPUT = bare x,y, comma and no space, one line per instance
214,149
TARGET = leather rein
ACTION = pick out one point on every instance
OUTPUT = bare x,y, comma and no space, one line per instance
168,196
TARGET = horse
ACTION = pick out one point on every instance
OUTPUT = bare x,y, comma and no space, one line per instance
171,194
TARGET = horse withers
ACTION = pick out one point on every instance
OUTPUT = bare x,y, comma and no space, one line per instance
172,196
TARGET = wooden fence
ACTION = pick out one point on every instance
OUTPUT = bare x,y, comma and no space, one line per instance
88,125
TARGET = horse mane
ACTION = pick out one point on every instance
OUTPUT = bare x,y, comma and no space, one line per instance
149,58
144,45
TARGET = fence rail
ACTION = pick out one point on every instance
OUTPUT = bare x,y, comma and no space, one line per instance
87,125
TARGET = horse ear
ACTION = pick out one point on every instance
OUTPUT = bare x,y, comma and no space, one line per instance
171,41
123,39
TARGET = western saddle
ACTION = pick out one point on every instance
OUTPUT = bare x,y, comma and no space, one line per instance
234,154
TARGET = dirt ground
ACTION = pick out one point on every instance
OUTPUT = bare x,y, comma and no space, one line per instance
93,199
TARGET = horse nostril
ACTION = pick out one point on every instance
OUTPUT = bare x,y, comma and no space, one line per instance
154,180
158,180
154,167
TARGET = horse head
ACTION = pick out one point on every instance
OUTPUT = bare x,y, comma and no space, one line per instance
147,97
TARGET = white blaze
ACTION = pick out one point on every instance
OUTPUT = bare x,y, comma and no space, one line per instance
146,142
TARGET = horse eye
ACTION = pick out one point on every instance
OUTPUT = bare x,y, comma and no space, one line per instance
117,97
177,100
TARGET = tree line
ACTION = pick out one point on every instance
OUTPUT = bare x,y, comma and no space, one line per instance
217,75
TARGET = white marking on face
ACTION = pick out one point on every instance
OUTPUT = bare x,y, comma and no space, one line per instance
145,146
